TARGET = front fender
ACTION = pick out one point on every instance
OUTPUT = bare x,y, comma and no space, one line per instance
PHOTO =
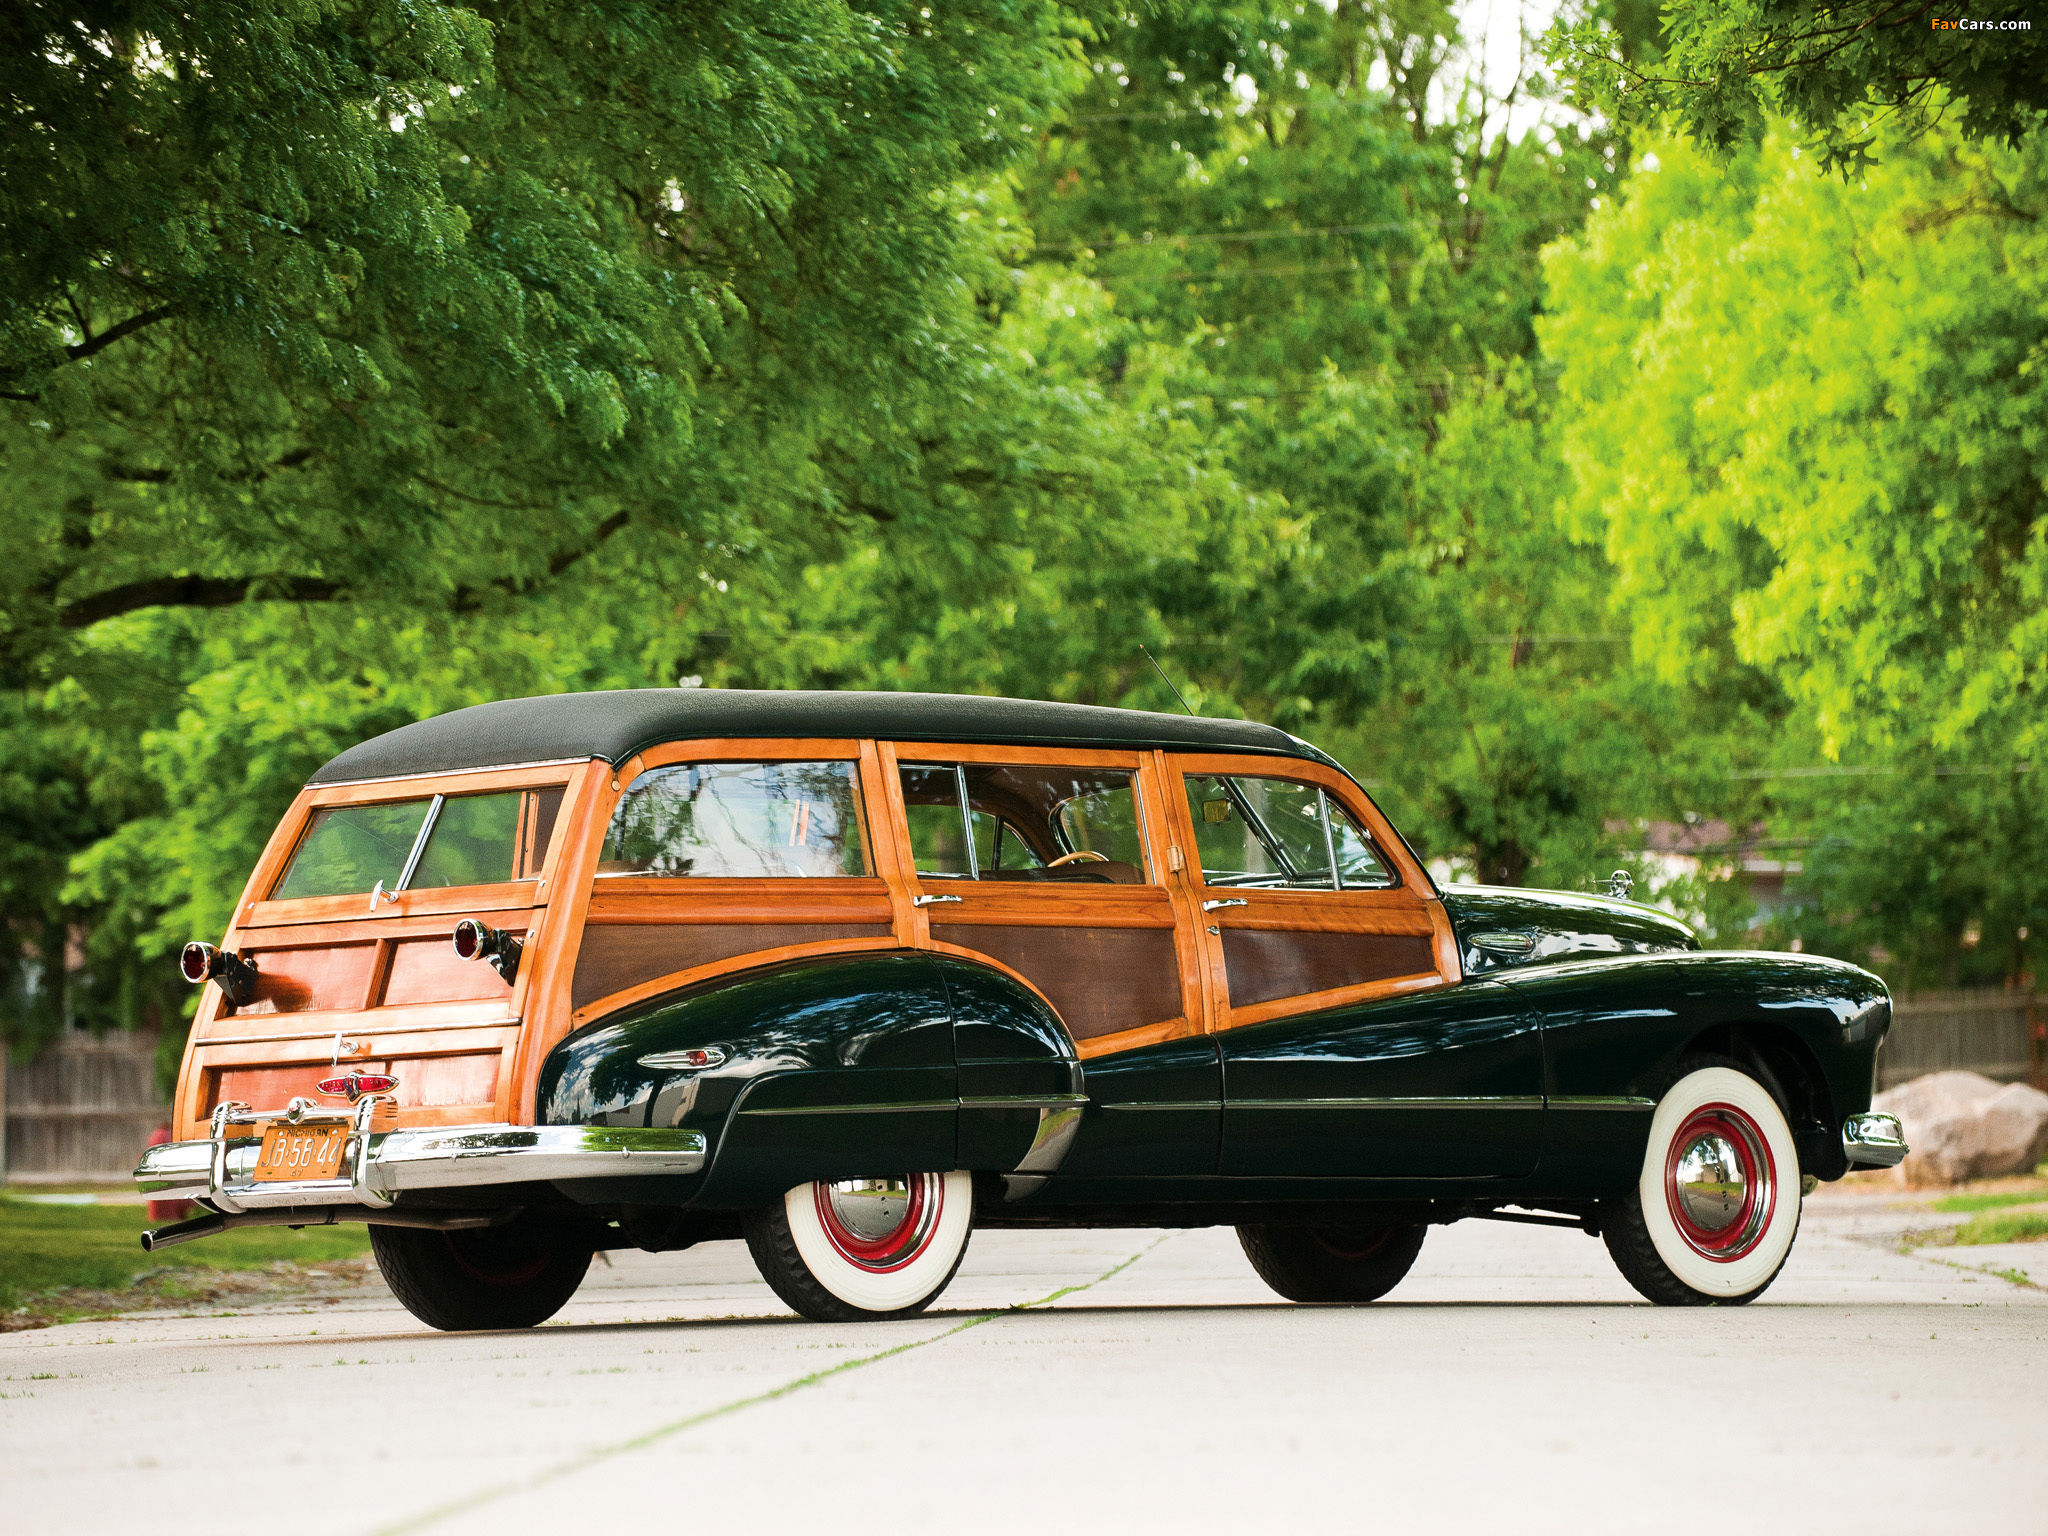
1615,1030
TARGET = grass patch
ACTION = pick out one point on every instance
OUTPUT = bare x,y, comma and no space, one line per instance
2020,1227
1957,1204
50,1248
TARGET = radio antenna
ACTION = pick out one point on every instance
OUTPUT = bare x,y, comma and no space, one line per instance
1165,679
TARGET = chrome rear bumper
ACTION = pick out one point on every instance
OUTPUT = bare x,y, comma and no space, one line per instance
377,1168
1873,1139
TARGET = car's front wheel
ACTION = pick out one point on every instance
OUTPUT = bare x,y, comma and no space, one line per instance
1712,1217
513,1276
850,1250
1343,1264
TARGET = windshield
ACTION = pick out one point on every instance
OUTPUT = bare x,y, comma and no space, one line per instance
428,842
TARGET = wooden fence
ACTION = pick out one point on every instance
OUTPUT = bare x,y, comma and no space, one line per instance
83,1109
1997,1033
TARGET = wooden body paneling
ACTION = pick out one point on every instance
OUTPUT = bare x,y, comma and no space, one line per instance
1124,965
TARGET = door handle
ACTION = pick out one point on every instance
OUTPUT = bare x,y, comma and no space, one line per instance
932,901
1228,901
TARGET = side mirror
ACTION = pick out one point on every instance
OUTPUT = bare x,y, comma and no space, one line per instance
474,941
200,963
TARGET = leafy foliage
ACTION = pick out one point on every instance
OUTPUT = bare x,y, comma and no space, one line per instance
1721,70
1807,426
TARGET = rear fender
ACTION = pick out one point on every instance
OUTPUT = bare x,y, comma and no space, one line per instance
835,1067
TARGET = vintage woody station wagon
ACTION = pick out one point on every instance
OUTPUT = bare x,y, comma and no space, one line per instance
846,975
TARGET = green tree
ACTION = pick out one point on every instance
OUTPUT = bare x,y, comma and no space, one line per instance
1807,426
1722,70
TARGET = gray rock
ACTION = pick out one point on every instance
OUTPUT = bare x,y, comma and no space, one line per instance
1962,1125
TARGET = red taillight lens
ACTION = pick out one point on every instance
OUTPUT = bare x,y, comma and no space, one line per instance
699,1058
195,962
356,1084
469,938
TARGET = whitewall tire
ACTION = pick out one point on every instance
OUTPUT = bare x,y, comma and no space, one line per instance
1716,1206
845,1250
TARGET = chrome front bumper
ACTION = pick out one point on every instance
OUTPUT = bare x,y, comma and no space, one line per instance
1873,1140
378,1168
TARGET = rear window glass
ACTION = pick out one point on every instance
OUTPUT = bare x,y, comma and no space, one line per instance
349,848
739,821
442,841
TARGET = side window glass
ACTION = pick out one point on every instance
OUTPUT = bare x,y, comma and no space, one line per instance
938,837
1263,832
1103,819
1026,823
1278,835
1359,866
999,848
738,821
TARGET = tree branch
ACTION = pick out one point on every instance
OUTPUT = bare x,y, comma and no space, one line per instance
228,591
195,592
127,327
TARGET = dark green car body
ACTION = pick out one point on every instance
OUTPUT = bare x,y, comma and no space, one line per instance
1531,1083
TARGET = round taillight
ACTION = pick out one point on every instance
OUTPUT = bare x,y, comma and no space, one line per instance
469,938
195,962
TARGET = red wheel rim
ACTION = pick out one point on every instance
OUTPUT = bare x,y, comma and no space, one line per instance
1720,1182
889,1234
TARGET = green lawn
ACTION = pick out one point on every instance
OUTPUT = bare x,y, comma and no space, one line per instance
2019,1227
1959,1203
52,1247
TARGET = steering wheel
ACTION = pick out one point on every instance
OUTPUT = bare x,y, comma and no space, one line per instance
1080,853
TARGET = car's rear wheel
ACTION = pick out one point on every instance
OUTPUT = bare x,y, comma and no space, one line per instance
850,1250
513,1276
1712,1217
1343,1264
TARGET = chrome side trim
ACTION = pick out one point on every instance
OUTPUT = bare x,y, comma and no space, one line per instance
1601,1101
1874,1139
1171,1104
865,1109
450,1157
1470,1101
1045,1101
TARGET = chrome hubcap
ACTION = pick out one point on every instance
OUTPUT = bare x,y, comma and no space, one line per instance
1720,1182
870,1209
1710,1181
881,1224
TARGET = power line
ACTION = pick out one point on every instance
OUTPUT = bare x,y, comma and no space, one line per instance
1246,236
1839,771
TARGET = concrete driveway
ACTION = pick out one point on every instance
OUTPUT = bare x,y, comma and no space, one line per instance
1088,1381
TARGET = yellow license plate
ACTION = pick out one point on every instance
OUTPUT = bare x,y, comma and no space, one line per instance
301,1152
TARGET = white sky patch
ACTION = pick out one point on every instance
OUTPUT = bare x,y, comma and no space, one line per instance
1494,33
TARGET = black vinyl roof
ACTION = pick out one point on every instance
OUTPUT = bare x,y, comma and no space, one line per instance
614,726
